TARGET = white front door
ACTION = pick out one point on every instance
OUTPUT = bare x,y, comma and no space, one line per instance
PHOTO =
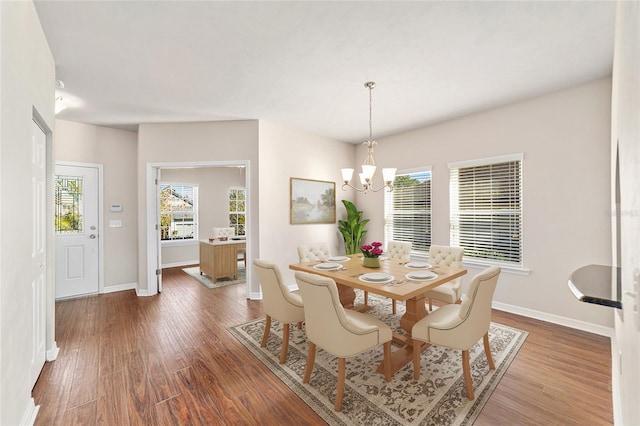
76,225
38,248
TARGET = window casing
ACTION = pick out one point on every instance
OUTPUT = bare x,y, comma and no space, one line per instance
237,213
486,210
178,212
407,210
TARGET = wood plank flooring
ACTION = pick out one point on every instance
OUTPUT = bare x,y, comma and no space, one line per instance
168,360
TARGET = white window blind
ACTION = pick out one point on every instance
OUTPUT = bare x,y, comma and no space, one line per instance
486,209
407,210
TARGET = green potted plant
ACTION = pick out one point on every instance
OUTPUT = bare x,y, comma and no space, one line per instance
352,229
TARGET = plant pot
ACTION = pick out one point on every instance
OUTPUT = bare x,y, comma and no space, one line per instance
371,262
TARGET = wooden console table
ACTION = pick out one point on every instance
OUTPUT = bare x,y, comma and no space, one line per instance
219,259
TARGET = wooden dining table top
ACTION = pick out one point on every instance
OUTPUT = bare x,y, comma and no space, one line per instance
401,288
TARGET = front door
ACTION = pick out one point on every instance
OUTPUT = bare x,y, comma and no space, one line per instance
76,225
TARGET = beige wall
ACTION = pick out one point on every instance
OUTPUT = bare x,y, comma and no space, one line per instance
116,150
213,206
565,140
286,153
192,143
27,75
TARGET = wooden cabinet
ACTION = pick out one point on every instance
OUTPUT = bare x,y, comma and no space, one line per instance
219,259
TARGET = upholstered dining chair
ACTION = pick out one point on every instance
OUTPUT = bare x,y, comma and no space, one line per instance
460,326
319,251
313,252
341,332
446,256
279,303
400,251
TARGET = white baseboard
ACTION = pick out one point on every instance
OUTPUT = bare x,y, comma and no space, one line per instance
119,287
177,264
30,413
144,293
556,319
52,354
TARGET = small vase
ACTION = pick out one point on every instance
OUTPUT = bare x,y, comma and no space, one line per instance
371,262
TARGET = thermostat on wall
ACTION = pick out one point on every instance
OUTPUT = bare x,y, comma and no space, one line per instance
116,208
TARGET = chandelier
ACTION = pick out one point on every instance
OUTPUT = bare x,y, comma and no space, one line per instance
369,164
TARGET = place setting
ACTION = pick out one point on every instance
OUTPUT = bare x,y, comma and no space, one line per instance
329,266
376,278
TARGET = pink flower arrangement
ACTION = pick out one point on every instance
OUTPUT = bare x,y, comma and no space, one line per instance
372,250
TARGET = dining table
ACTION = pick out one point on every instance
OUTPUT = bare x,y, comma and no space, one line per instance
349,272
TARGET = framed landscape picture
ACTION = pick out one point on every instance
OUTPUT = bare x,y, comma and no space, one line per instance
312,201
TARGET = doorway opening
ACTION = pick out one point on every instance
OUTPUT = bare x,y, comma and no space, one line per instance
154,247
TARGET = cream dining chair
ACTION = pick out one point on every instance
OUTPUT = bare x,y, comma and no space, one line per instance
319,252
341,332
313,252
446,256
279,303
398,251
460,326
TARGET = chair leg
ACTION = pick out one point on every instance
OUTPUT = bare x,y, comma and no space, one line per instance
267,328
393,306
366,297
417,349
430,305
311,359
340,388
386,363
285,343
467,375
487,351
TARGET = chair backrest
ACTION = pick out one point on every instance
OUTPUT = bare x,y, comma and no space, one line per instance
224,232
313,252
476,303
446,256
326,323
276,298
400,250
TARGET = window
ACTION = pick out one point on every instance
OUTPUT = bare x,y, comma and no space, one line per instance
407,210
68,204
486,209
178,211
237,197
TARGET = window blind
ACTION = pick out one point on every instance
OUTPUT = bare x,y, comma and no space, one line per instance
486,210
408,210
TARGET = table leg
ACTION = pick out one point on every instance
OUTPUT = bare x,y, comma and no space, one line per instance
415,312
348,296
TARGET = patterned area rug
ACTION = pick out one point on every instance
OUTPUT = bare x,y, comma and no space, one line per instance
206,281
437,398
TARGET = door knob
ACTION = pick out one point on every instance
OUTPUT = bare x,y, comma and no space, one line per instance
92,236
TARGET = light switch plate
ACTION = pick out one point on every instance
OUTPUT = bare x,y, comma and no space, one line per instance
115,224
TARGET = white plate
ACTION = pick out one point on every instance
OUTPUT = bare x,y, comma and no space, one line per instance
376,277
420,275
327,266
339,259
418,265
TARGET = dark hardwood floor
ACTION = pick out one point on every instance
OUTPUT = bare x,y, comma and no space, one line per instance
168,360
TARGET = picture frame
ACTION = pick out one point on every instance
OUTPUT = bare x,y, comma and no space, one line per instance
312,201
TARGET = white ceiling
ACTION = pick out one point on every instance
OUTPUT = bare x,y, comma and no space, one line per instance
304,64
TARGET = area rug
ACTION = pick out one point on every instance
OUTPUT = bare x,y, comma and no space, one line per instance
437,398
206,280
